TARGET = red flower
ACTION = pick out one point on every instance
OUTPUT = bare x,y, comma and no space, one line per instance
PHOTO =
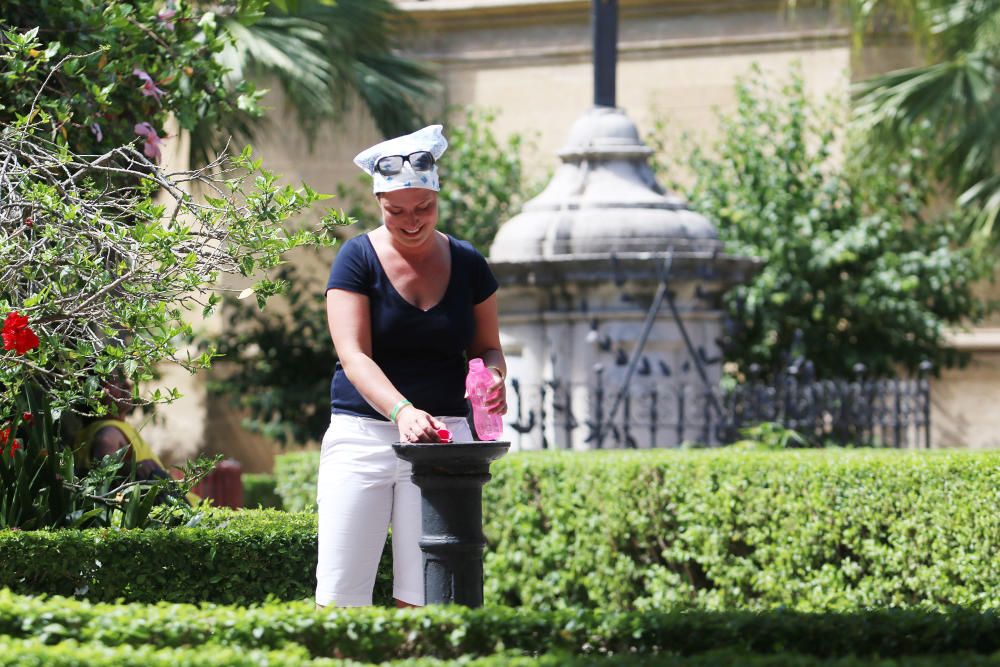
16,334
4,437
27,417
13,448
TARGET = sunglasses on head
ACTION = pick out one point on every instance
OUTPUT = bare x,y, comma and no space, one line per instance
390,165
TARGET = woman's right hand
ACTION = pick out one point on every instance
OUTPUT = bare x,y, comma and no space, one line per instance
417,426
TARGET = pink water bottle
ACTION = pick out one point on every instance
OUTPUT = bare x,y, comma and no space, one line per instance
477,385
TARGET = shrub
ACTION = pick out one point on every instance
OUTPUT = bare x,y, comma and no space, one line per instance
71,654
295,480
858,265
230,557
715,530
259,492
810,530
449,632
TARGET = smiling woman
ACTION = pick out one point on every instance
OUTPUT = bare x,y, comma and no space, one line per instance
407,307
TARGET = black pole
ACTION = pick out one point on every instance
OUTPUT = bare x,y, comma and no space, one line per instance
451,479
604,26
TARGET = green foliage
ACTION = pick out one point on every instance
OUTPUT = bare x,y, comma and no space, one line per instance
851,259
69,653
808,530
325,55
102,44
954,95
481,179
770,435
375,635
105,280
277,363
101,272
40,487
241,557
295,480
259,492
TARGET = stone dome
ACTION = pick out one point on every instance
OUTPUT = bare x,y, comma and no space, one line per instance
603,199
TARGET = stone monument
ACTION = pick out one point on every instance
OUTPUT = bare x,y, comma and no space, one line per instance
585,269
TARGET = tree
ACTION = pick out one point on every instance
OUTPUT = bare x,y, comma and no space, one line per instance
854,267
101,270
324,55
102,251
104,74
955,96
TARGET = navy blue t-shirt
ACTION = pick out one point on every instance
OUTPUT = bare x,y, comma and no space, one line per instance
422,353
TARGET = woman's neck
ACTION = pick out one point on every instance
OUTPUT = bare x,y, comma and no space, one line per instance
415,253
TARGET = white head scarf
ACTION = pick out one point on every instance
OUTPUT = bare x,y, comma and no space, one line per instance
428,139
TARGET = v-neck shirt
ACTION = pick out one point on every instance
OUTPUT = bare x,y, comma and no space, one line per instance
421,352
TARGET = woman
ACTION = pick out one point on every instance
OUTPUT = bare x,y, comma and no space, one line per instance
407,307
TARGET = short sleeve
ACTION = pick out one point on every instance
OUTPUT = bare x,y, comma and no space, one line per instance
484,282
351,270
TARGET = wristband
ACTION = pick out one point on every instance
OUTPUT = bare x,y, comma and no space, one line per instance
396,408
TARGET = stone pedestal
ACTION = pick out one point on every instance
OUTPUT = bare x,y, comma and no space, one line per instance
579,268
451,478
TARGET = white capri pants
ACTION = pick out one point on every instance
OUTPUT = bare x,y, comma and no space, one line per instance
362,487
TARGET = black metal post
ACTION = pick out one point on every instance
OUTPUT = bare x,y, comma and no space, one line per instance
451,478
604,24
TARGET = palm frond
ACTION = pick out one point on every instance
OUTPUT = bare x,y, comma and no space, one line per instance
325,56
959,101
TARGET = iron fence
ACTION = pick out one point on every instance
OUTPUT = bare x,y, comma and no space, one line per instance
653,412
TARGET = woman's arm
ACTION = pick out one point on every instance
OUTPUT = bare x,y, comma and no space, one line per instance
347,315
486,346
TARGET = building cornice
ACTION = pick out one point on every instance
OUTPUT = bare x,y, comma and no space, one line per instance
464,14
781,41
441,17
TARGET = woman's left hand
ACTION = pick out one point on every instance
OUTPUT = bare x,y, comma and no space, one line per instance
496,401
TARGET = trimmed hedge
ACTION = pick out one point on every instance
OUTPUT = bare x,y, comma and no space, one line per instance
259,492
230,557
20,652
807,530
450,632
70,654
295,480
723,529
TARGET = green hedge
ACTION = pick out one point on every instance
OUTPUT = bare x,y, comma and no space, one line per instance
722,529
231,557
450,632
71,654
295,477
811,530
21,653
259,492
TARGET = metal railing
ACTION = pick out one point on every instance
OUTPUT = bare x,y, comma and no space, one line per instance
655,412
